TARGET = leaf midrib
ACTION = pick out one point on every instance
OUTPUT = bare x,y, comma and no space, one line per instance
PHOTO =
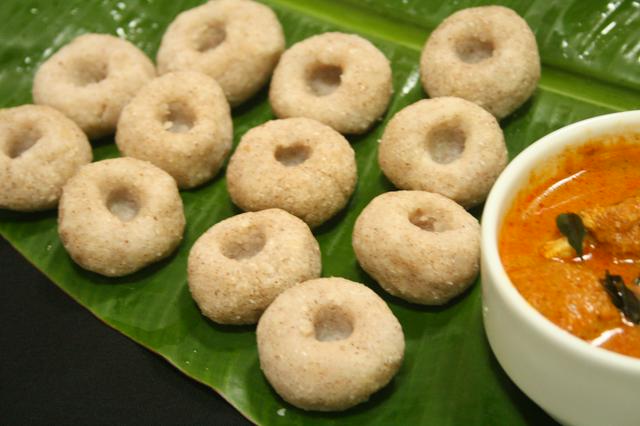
553,79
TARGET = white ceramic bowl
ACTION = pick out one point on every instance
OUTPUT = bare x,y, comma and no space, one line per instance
576,383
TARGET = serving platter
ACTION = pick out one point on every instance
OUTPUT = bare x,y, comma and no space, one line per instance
591,56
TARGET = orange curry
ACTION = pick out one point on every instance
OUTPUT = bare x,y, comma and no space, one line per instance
600,182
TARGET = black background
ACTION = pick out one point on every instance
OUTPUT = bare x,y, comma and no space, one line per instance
61,365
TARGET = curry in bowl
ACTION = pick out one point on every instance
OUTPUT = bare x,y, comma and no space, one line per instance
570,243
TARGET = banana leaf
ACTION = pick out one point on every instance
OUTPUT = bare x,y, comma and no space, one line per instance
591,66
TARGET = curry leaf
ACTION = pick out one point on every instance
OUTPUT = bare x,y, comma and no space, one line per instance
571,226
624,299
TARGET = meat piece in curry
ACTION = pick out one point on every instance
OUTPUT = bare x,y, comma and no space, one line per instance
617,225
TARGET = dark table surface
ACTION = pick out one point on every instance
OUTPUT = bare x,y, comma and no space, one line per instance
61,365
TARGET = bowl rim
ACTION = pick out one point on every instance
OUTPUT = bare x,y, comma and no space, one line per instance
501,198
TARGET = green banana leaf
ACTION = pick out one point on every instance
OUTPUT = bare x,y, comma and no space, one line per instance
591,56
